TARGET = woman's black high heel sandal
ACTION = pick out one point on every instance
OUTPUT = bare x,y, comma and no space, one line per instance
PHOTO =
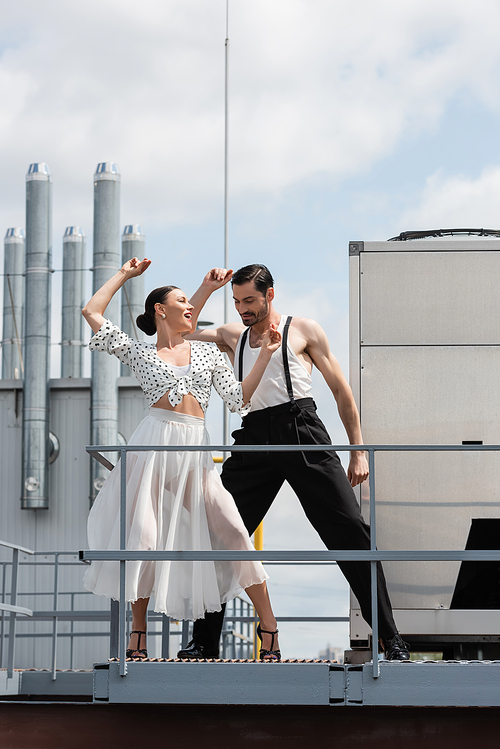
268,655
143,651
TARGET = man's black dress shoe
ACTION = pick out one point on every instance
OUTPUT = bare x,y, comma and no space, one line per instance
195,651
396,649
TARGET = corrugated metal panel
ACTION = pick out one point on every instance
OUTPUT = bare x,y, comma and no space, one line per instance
132,406
16,525
63,525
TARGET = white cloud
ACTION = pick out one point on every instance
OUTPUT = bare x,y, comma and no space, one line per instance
451,201
315,87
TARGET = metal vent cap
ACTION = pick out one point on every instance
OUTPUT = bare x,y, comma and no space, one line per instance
39,171
14,235
74,234
133,231
107,170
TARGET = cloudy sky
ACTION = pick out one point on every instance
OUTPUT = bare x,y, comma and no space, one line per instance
348,120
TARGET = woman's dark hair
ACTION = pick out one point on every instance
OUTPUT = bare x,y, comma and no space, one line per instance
259,274
146,321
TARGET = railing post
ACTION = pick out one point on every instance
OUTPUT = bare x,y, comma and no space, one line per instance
13,615
55,620
72,638
2,630
373,565
249,633
114,629
254,633
123,541
185,634
165,636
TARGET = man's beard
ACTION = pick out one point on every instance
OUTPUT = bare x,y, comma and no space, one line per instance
257,317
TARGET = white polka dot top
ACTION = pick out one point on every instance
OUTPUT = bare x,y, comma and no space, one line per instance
156,377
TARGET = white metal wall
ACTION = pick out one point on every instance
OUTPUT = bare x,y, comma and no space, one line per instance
425,360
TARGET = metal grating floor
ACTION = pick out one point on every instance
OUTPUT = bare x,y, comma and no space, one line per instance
216,660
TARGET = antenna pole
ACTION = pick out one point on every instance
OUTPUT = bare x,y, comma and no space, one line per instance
226,254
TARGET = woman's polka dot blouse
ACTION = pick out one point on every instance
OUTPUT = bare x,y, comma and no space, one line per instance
156,377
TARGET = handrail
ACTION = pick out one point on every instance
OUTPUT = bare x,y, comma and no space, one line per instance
343,555
91,449
373,556
16,546
16,609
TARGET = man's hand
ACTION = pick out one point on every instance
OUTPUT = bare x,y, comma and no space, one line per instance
216,278
358,468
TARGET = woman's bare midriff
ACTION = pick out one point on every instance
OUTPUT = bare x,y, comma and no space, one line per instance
189,405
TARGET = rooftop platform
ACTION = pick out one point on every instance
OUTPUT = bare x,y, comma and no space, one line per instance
414,683
237,682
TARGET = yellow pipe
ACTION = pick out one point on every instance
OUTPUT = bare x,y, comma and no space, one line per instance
258,538
258,542
218,459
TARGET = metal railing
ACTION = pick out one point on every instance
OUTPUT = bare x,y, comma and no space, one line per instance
373,555
239,614
12,607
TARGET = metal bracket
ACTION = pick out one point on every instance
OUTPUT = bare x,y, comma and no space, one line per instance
356,247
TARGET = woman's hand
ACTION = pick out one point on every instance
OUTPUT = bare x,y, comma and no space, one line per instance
135,267
94,310
216,278
272,339
269,344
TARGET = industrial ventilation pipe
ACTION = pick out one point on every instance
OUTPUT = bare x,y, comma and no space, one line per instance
106,261
133,245
37,339
73,299
13,300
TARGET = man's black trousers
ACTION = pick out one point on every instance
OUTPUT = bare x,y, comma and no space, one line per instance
322,487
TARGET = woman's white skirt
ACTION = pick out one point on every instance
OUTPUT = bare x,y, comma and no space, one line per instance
175,501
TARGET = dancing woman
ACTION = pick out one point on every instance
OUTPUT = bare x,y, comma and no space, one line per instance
175,500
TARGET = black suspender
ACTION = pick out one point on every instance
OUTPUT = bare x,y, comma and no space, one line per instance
284,348
240,358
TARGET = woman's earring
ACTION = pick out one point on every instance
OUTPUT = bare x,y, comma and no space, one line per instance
163,316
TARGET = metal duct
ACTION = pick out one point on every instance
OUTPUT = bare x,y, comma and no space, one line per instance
37,338
133,245
106,261
73,299
13,300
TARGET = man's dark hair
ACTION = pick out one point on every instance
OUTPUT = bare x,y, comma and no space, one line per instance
259,274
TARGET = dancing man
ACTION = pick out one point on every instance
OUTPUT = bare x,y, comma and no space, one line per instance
283,412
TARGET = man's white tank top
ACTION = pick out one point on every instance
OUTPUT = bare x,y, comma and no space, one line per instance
271,390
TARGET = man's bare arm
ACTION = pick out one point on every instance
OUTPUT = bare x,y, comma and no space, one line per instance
318,348
225,336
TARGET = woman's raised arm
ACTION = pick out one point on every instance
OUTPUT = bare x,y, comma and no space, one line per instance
215,279
94,310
